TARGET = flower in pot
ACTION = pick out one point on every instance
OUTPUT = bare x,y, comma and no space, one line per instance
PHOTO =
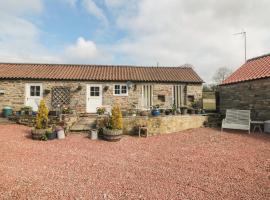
113,132
155,110
41,121
184,110
100,110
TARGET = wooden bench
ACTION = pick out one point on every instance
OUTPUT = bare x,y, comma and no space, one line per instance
237,119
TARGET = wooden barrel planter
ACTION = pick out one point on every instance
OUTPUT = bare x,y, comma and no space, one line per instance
38,133
112,135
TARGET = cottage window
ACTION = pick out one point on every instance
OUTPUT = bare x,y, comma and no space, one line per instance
94,91
34,91
120,90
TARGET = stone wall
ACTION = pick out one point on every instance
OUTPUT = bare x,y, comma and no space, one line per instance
164,124
15,93
196,91
252,95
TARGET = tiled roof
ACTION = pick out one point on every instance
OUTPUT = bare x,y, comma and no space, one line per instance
98,73
255,68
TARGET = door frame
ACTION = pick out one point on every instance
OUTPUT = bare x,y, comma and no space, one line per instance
88,86
27,91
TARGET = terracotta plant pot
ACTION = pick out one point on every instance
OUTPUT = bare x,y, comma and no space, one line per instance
112,135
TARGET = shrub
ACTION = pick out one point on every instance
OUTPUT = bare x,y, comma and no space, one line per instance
116,120
42,116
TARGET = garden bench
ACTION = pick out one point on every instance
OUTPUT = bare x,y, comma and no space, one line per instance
237,119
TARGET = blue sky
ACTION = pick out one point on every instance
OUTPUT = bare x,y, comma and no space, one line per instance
134,32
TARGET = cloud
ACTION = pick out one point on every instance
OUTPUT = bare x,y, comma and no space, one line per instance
94,10
174,32
83,49
115,3
19,7
72,3
19,38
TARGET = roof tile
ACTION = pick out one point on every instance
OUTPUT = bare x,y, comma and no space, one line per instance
255,68
98,72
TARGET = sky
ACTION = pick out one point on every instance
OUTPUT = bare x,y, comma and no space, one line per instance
135,32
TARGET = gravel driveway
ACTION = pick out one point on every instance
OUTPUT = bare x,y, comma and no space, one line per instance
194,164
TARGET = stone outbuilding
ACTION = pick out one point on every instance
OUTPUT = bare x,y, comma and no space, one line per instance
249,88
86,87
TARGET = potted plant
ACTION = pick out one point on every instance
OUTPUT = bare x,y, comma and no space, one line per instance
155,111
113,132
167,111
41,121
50,134
100,110
184,110
173,109
26,110
144,113
191,110
60,132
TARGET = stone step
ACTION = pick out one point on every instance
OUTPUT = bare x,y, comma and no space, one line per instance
84,124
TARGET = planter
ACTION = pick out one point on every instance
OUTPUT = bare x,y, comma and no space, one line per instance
51,136
178,111
155,112
144,113
93,134
112,135
191,111
167,112
184,111
38,133
61,134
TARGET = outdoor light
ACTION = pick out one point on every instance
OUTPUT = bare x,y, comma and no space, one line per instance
129,84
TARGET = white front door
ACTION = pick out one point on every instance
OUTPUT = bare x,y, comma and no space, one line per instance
33,95
93,98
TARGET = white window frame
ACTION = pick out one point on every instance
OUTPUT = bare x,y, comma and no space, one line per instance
121,94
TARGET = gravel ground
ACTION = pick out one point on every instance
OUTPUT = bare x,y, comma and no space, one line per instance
194,164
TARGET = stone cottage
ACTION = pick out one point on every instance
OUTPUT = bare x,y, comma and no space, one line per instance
86,87
249,88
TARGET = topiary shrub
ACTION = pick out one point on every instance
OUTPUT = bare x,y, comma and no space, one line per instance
116,120
42,116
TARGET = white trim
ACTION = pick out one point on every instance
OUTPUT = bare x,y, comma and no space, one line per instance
121,84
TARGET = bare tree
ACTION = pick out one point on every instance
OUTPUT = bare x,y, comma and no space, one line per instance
221,74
